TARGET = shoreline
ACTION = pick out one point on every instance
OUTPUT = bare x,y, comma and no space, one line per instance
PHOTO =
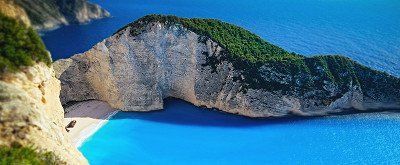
90,116
88,132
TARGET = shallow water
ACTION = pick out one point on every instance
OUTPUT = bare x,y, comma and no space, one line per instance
368,31
365,30
185,134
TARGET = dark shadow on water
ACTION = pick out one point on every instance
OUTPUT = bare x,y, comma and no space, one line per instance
184,113
180,112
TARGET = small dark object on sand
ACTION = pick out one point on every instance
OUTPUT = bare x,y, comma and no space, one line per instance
70,125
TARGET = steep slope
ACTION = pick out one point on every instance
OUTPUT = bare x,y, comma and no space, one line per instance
31,114
10,9
49,14
211,63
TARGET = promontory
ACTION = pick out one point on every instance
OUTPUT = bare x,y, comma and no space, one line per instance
218,65
50,14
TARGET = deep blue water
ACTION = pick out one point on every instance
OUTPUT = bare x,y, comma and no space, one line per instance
368,31
185,134
365,30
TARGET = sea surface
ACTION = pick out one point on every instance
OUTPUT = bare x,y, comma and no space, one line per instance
367,31
183,134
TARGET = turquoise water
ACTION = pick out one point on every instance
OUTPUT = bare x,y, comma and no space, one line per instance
185,134
365,30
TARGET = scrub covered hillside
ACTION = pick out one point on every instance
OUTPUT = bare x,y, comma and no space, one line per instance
269,67
26,155
19,46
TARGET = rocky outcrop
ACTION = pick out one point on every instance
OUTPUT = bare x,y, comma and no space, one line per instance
10,9
136,71
31,113
50,14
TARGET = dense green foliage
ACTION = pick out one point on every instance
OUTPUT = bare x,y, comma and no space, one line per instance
26,155
288,72
236,40
19,46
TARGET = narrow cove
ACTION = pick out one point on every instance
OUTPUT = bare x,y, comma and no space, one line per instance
183,133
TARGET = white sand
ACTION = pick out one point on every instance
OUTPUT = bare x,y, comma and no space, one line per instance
89,116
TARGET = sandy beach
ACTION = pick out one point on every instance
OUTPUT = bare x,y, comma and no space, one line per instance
89,116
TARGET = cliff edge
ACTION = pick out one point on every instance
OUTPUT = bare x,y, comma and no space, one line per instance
218,65
31,114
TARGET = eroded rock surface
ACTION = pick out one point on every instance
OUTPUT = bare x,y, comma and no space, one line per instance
31,113
10,9
50,14
135,72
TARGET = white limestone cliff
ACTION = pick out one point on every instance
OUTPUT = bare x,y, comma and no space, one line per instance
31,113
135,73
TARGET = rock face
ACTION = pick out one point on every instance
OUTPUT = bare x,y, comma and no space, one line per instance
10,9
50,14
31,114
136,72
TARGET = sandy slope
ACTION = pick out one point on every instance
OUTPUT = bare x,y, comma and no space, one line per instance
90,116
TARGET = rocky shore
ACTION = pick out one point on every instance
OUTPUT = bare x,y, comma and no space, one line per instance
157,57
50,14
149,60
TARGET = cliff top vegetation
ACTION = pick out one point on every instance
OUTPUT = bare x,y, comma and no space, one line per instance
17,154
248,52
19,46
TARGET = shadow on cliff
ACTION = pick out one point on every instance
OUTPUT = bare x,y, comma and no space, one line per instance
180,112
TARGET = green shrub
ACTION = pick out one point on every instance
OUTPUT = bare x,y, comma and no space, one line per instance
236,40
19,46
26,155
